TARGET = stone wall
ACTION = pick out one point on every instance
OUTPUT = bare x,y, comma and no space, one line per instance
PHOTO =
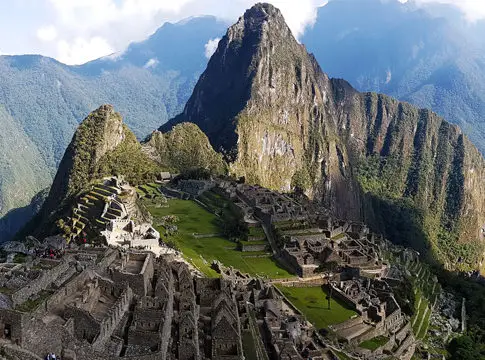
115,314
300,284
144,338
109,256
45,279
13,352
85,325
254,247
394,321
336,293
401,334
349,323
70,288
16,321
140,282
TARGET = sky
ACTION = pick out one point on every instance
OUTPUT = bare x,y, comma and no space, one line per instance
76,31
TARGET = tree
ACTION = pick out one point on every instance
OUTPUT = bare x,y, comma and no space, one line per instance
465,348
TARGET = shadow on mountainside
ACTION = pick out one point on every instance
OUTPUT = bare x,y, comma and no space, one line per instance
13,221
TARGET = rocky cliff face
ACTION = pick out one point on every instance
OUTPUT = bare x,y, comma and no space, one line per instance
283,123
265,102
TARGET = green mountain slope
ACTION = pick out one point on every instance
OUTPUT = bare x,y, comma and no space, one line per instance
183,148
428,54
47,99
22,171
101,146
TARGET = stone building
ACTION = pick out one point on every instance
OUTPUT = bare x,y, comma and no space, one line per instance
379,312
306,252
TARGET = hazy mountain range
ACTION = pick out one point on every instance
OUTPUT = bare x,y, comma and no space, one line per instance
42,101
428,56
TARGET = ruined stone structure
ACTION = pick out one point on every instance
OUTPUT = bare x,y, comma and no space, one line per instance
109,304
347,244
379,315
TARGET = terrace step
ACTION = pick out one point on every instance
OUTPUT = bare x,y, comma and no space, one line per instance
97,195
103,191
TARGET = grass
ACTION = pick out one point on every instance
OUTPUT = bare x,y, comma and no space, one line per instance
30,305
6,291
339,236
312,302
419,312
149,190
424,328
249,347
374,343
201,252
256,231
19,258
341,355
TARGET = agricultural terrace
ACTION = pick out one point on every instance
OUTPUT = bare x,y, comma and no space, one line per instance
199,238
313,303
374,343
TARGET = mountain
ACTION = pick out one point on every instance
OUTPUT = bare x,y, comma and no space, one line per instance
22,167
184,148
284,124
102,146
42,102
428,55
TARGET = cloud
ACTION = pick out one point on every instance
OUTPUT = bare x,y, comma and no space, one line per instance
81,50
299,14
82,30
152,63
47,33
211,47
473,9
88,29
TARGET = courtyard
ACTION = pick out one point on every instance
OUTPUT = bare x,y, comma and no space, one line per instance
313,303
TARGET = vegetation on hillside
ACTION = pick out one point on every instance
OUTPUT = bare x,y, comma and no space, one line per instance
183,148
472,344
128,160
403,211
22,175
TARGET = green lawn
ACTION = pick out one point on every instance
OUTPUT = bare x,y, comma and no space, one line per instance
201,252
374,343
249,347
312,302
341,355
256,231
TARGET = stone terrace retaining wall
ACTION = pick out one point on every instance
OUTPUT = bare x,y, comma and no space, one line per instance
45,279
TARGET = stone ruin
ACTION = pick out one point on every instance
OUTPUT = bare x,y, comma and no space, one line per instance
344,243
104,303
379,315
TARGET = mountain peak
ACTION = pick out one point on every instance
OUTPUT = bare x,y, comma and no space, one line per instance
256,20
262,12
257,58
